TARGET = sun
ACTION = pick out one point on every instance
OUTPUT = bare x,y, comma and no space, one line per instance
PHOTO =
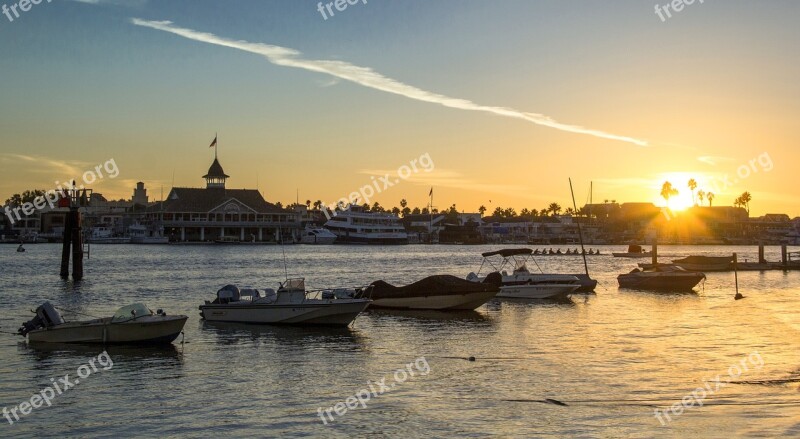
685,198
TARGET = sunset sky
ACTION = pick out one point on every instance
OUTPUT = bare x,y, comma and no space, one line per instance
508,98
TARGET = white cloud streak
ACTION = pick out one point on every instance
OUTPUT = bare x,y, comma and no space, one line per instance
367,77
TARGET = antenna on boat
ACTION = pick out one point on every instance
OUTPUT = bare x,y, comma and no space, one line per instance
580,232
285,270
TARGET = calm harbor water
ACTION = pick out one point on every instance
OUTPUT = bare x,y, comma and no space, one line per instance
612,357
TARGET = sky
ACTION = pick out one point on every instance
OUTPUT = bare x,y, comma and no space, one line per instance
507,99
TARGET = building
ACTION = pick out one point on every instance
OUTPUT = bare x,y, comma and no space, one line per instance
218,213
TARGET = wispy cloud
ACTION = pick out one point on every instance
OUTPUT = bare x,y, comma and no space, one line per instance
367,77
42,165
713,160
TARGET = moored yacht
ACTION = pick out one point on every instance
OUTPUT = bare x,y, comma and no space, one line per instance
147,234
317,235
355,226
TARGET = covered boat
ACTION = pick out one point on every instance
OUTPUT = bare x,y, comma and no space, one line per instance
440,292
132,324
661,278
705,263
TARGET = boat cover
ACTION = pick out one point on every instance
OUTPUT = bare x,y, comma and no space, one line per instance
508,252
439,285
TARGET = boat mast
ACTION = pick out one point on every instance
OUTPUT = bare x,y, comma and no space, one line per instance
580,232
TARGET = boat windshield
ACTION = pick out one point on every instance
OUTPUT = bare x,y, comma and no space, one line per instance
130,312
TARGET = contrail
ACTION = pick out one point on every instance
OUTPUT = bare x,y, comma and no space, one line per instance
367,77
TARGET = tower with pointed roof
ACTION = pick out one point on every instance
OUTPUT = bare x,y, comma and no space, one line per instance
216,176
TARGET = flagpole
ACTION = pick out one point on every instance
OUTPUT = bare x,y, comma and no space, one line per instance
430,211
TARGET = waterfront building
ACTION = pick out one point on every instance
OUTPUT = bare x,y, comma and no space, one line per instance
216,213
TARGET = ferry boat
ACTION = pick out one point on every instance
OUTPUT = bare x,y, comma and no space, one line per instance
355,226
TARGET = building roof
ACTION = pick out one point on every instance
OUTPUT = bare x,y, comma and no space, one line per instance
215,171
209,199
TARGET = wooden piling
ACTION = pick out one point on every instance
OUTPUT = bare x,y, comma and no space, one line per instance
761,259
654,251
784,255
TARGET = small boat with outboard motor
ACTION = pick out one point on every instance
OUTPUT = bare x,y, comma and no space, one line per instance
669,278
132,324
521,283
291,304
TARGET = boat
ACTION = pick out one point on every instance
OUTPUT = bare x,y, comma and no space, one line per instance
227,240
661,278
104,235
634,251
317,235
291,304
132,324
705,263
355,226
439,292
523,284
147,234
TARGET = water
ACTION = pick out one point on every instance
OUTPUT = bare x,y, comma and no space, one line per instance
613,357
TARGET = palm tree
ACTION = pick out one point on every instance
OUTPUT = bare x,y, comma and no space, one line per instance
745,199
555,208
482,209
318,204
710,197
403,203
308,204
701,194
667,191
692,186
569,211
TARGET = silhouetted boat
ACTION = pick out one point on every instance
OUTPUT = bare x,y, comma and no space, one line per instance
634,251
661,278
705,263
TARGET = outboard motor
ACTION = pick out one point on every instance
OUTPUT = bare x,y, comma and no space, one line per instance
228,294
46,317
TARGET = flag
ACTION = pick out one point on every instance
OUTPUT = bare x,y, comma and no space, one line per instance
431,193
214,143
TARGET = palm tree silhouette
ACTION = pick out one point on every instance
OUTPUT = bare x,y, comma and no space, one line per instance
710,197
667,191
692,186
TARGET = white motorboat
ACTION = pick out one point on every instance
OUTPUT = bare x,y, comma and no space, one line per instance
147,234
354,226
292,304
132,324
104,235
317,235
634,251
523,284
